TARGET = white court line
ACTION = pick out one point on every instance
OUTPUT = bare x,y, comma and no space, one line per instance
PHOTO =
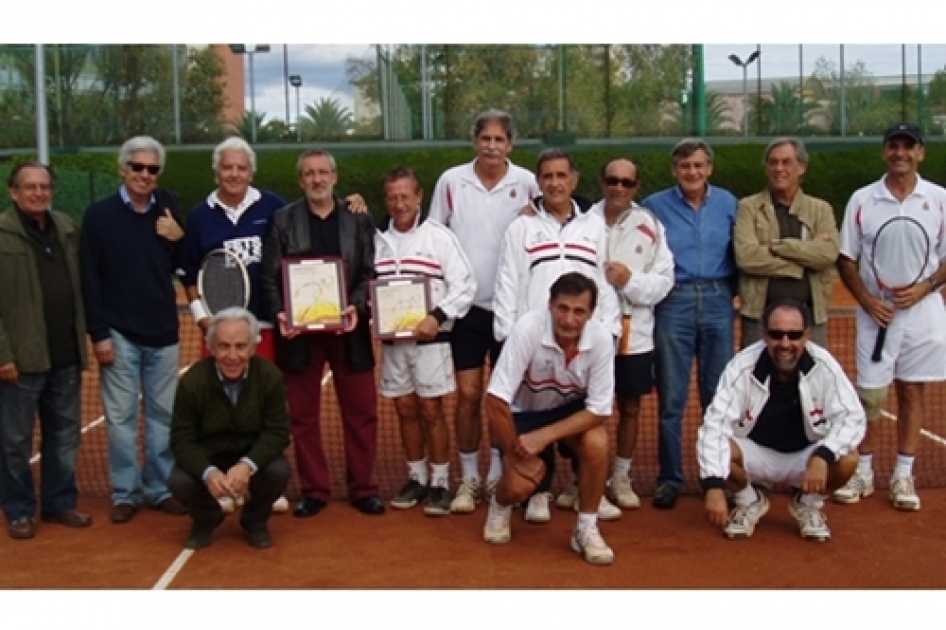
928,434
186,554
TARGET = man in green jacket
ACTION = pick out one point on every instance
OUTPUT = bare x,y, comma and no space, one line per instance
42,354
786,243
229,428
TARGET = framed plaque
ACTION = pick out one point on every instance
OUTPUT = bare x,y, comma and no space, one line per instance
398,304
314,293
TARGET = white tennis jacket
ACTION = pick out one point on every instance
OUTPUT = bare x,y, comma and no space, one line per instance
833,414
638,239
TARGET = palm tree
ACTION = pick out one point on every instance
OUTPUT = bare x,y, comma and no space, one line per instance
265,131
782,112
719,121
326,119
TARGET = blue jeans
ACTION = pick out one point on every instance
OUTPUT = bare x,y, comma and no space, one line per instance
695,320
151,374
54,396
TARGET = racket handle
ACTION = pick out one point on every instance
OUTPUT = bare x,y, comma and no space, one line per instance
879,344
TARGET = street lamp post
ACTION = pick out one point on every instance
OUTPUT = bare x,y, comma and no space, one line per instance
250,50
745,86
295,80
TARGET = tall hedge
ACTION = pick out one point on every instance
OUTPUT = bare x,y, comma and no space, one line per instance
836,169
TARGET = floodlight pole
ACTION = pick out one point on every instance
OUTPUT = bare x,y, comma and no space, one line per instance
295,80
745,86
250,50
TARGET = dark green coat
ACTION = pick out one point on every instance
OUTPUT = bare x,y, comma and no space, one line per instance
206,430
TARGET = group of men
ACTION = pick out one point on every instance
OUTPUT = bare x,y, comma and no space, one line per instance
578,309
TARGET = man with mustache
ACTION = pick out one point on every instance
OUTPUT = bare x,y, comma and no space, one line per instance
784,413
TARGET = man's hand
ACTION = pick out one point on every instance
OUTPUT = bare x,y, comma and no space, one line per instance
203,324
530,444
104,352
905,298
356,204
350,319
617,273
239,478
879,310
527,210
816,477
9,373
717,510
427,329
284,329
168,227
218,485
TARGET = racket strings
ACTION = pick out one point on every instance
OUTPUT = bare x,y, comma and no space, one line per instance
900,253
222,283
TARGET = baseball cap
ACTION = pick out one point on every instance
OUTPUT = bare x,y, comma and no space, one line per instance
904,129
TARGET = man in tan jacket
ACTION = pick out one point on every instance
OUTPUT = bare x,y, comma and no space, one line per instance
786,243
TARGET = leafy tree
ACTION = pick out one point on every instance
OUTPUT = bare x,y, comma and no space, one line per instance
864,113
203,100
782,112
326,119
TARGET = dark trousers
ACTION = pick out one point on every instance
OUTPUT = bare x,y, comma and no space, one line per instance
528,421
358,402
266,485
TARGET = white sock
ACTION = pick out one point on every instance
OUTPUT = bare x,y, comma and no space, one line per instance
746,496
440,478
470,464
587,520
622,467
865,464
495,465
418,471
904,466
494,503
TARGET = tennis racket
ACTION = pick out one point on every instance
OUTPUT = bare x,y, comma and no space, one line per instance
899,259
633,243
222,281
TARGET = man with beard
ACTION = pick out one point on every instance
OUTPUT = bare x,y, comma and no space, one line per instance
784,413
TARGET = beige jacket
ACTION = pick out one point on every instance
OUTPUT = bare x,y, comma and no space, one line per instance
761,254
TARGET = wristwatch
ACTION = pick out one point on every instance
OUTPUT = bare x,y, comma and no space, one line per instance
935,286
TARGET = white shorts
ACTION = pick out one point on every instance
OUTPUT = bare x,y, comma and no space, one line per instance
764,464
915,348
424,369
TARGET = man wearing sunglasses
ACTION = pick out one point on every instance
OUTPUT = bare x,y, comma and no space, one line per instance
785,242
695,320
640,268
130,249
784,413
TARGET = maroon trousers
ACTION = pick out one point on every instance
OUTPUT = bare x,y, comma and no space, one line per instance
358,401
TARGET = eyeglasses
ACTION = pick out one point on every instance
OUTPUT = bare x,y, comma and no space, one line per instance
778,335
625,182
153,169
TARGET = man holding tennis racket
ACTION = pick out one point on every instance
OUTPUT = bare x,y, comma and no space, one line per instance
786,243
319,225
417,372
893,243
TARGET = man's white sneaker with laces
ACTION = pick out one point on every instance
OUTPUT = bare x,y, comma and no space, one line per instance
622,493
589,543
812,524
859,486
607,511
743,519
903,494
538,509
466,498
497,530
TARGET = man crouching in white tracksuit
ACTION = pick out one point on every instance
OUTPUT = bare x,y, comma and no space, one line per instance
784,412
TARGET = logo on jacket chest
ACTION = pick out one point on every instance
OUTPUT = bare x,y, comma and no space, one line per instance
248,249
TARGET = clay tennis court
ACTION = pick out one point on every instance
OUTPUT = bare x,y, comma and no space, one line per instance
873,545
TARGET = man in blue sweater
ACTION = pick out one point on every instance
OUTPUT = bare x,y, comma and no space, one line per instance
129,251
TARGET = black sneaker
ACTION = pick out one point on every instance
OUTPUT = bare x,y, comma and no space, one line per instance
202,534
410,495
665,497
438,501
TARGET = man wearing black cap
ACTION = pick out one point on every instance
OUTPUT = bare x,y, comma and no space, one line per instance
915,343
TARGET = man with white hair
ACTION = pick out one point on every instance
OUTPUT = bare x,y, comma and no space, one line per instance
129,250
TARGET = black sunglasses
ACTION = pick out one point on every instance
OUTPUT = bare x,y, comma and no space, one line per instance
137,167
793,335
611,180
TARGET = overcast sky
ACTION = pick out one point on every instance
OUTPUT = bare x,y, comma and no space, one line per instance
322,67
